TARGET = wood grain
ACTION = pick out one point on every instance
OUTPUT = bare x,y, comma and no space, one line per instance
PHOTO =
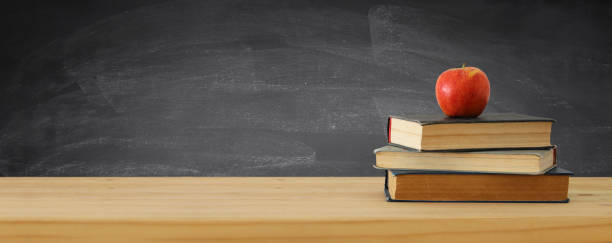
285,209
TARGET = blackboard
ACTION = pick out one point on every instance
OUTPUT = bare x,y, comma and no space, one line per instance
282,88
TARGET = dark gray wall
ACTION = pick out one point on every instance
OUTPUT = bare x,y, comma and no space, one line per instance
282,88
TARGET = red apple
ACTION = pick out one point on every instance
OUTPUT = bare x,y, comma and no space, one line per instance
462,92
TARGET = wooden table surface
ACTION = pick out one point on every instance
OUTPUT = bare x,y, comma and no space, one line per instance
296,209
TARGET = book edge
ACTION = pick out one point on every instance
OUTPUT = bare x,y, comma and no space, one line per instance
424,171
553,171
472,149
404,149
389,199
528,118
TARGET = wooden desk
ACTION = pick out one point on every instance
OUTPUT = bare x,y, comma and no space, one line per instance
298,209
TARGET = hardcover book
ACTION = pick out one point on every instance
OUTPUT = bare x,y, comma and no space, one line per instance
444,186
488,131
532,162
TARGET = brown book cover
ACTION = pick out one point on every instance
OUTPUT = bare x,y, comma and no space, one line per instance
445,186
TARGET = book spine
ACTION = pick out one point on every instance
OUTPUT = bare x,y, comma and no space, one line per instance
389,130
554,155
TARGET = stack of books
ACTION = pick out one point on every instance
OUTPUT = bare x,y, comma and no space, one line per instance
491,158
